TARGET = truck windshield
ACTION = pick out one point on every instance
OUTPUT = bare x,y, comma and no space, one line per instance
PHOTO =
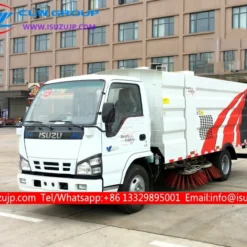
74,101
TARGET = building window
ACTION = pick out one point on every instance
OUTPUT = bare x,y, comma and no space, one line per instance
1,46
97,4
67,70
167,61
95,67
19,45
97,36
229,60
68,39
19,18
127,1
128,31
41,42
18,76
163,27
69,5
44,8
202,22
131,63
200,63
1,76
239,17
41,74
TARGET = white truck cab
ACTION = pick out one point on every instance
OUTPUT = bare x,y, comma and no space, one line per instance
83,133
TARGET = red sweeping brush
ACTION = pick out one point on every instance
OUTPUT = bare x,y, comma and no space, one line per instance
211,172
186,179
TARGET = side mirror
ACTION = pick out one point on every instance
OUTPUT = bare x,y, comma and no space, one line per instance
108,113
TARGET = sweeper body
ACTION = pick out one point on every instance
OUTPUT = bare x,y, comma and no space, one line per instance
122,130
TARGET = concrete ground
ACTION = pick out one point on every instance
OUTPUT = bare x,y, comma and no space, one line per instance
159,225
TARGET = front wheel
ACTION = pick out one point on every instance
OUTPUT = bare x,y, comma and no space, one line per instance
136,180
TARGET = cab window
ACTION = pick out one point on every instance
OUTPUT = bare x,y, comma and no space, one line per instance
127,100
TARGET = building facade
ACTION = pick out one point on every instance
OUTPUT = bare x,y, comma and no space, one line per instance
208,37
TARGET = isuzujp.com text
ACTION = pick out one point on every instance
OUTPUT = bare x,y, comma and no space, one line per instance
58,27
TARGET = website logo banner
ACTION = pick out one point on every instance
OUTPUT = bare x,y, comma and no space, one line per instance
8,12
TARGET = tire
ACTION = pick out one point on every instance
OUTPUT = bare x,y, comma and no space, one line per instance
223,162
136,178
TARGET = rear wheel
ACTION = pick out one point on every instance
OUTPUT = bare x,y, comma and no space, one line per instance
136,180
223,162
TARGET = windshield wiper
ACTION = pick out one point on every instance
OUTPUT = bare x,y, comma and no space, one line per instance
81,127
39,122
68,122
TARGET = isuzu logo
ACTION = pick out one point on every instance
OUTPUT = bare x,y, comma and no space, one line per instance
50,135
62,135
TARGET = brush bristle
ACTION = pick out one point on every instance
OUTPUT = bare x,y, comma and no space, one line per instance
185,182
212,173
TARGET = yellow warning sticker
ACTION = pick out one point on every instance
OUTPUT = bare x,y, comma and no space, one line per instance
201,113
166,101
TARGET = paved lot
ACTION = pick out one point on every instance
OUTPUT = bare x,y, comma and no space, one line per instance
160,225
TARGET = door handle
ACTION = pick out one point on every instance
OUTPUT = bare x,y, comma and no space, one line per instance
142,137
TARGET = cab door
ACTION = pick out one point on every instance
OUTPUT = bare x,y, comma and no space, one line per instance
128,135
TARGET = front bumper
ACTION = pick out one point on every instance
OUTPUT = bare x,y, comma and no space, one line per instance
49,184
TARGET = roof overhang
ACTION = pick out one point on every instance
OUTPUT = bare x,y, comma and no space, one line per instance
14,94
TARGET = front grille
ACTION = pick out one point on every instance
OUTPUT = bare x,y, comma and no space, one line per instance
37,165
66,167
51,166
48,166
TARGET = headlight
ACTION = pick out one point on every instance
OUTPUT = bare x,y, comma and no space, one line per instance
84,169
24,165
91,166
95,161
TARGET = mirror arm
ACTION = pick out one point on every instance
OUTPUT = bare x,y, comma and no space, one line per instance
103,131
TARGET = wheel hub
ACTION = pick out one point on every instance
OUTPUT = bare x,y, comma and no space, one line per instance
225,164
137,184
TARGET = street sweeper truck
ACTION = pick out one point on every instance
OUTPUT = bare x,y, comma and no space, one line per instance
121,130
